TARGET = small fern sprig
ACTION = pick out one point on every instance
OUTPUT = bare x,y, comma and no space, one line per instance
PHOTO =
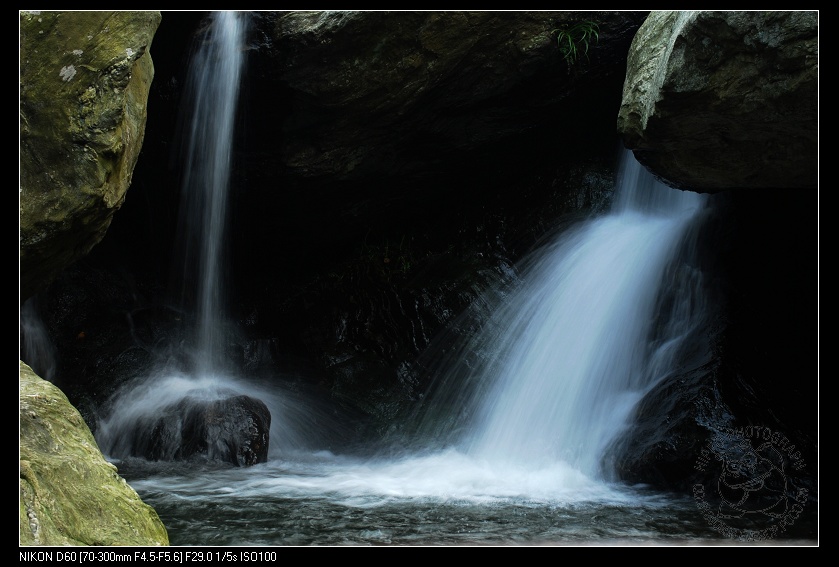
571,38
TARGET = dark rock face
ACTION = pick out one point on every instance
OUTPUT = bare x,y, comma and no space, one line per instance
757,377
232,429
386,125
399,94
716,101
722,100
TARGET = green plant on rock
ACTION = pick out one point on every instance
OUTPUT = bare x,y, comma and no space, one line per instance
574,40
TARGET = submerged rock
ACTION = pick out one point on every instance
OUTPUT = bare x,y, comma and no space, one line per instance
233,429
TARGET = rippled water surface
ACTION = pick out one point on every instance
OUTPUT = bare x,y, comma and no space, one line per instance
439,499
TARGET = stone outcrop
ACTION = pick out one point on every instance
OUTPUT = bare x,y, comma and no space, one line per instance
386,93
69,493
233,429
722,100
84,83
726,103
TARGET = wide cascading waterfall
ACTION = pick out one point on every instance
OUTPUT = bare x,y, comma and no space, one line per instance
596,318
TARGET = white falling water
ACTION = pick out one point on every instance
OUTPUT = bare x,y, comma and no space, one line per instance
37,349
557,369
212,98
209,119
567,354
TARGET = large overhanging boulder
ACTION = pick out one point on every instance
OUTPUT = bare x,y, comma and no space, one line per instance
359,94
84,84
69,493
723,100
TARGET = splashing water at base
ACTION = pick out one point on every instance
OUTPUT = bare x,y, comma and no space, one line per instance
319,498
298,422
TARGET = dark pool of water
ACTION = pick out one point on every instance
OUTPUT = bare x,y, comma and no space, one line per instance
436,500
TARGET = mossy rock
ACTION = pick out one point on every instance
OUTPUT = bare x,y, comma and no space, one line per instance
69,493
84,85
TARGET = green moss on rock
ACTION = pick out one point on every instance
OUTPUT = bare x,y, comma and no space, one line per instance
69,493
84,84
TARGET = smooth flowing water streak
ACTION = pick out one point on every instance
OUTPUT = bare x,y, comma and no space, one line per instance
575,354
148,415
596,317
208,120
211,96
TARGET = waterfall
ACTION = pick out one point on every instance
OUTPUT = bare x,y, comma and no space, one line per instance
37,349
595,318
161,416
201,406
513,443
210,115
